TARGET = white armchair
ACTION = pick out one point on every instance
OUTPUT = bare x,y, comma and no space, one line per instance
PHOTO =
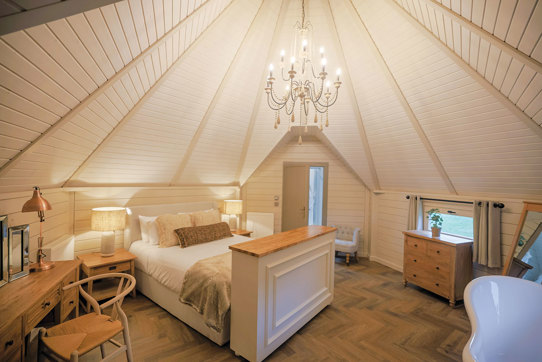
347,241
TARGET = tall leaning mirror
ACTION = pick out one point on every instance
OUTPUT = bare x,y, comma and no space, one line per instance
3,249
525,258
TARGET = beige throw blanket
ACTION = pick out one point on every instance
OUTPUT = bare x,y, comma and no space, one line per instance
207,289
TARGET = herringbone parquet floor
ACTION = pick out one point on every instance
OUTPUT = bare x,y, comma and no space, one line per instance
372,318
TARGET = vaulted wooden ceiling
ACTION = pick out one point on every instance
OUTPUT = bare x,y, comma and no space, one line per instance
440,96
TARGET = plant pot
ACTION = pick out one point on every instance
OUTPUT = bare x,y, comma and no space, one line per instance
435,232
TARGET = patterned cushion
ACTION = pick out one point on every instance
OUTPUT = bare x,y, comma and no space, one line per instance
202,234
206,217
166,228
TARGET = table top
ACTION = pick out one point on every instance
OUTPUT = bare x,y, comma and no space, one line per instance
93,260
19,295
447,239
273,243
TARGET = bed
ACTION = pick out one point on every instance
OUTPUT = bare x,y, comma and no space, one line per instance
160,271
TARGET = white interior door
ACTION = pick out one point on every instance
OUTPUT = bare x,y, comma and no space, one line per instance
295,196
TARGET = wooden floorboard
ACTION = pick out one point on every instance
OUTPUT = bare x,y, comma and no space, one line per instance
372,318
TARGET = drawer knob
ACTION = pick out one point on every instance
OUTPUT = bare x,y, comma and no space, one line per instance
415,261
113,267
71,302
415,245
46,304
9,343
437,284
438,268
414,275
438,251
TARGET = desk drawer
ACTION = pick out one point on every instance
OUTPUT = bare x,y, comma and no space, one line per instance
39,310
10,341
70,278
113,268
69,301
416,245
427,281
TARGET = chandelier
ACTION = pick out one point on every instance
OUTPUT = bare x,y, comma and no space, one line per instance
302,84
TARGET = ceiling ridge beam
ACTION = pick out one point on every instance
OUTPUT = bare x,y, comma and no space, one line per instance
355,105
484,34
141,101
505,101
256,108
99,91
218,93
406,106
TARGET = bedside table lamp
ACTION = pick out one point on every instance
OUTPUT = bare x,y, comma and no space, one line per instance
39,204
108,220
233,207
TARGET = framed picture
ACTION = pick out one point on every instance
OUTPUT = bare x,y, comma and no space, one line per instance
18,241
3,249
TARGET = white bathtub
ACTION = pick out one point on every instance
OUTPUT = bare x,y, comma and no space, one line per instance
506,319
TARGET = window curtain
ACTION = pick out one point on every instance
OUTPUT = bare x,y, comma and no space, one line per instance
487,234
415,213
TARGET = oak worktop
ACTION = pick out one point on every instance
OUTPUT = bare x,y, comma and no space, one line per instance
273,243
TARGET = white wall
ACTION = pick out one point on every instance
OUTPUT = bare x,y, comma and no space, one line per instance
389,220
58,221
346,193
87,198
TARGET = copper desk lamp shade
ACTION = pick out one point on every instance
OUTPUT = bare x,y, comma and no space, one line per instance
39,204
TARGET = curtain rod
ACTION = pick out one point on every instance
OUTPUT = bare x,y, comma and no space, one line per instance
500,205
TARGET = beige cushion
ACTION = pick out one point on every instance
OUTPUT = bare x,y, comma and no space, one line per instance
203,234
166,228
206,217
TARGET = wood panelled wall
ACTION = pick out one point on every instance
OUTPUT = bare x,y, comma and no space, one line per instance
389,218
86,199
58,221
346,193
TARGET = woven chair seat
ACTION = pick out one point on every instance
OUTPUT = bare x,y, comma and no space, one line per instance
82,334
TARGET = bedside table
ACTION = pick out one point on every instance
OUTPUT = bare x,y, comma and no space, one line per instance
94,264
241,232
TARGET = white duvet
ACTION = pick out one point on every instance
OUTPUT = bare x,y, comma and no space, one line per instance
168,265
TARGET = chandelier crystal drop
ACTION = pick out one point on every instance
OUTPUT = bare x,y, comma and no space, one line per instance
303,83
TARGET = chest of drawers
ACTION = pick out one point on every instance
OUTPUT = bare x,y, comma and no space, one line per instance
441,265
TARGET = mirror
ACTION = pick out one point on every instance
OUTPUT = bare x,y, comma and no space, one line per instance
18,251
3,249
525,258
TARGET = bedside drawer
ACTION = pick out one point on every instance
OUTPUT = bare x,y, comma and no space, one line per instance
415,245
69,301
113,268
39,310
10,341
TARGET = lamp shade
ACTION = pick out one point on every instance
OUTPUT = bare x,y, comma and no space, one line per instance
108,218
233,207
37,202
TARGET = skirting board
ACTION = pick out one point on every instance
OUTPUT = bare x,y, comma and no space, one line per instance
169,300
386,263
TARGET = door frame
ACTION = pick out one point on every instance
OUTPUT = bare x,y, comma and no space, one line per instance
325,165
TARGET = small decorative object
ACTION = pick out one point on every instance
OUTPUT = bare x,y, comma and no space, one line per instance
4,262
39,204
436,222
233,207
108,220
18,251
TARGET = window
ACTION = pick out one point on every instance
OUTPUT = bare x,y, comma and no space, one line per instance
457,217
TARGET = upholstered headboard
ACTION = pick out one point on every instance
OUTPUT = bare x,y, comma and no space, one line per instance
133,232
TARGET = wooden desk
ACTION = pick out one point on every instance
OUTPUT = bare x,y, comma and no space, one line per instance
95,264
279,283
24,302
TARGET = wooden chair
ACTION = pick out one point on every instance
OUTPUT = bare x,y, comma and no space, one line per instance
71,339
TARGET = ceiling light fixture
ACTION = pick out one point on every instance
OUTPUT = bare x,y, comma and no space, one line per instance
303,84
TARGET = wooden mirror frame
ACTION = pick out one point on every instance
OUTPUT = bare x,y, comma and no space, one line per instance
527,206
4,261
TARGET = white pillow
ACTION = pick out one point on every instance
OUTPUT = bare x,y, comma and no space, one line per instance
149,230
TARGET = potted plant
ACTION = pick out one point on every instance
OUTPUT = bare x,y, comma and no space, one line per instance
436,222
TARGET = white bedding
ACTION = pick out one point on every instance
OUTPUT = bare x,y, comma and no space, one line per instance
168,265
